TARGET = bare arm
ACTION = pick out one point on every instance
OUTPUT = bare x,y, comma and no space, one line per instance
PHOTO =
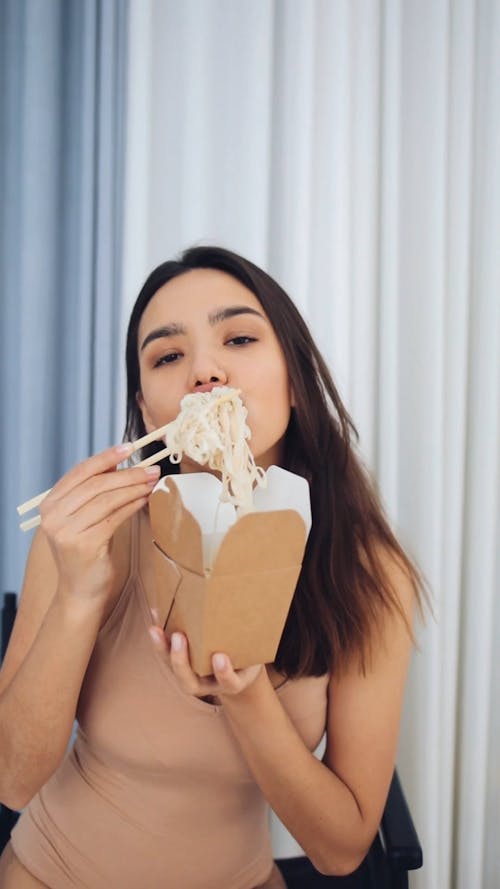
332,808
75,571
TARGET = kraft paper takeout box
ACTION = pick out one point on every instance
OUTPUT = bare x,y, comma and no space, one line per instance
228,582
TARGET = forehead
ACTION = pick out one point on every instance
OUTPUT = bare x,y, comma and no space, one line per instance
193,295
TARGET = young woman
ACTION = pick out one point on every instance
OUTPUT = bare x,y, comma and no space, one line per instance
169,779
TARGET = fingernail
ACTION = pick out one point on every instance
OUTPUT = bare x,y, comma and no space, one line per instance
152,470
219,661
155,636
125,448
176,642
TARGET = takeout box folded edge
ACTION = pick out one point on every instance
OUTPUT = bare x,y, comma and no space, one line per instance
241,606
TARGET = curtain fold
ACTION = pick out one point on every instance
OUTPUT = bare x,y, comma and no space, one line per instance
62,108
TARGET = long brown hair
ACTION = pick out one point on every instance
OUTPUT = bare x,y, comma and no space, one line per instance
343,589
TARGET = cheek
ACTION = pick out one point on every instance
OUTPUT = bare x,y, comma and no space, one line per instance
269,404
278,381
159,403
279,385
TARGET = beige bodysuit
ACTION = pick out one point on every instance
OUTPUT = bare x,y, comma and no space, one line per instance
155,792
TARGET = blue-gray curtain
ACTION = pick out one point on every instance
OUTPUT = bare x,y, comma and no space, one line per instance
62,107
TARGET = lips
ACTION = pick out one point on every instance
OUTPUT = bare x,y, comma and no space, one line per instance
207,387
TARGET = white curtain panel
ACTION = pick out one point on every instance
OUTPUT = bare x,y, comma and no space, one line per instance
351,147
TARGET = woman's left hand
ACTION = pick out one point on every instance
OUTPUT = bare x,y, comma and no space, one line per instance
225,680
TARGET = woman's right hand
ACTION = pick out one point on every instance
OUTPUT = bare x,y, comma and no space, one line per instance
81,514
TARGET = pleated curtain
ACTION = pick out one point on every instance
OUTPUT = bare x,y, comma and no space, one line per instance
62,110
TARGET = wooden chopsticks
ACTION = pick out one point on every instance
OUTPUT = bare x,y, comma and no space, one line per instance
28,505
136,445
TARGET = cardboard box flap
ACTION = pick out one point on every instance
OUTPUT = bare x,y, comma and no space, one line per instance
262,541
200,492
228,582
284,490
190,523
175,529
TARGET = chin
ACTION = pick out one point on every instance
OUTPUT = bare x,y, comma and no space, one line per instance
186,465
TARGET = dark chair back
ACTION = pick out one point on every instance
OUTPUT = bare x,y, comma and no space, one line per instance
7,817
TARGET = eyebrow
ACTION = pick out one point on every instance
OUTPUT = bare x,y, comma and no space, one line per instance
215,317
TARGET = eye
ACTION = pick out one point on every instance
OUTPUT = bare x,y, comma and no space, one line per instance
169,358
241,340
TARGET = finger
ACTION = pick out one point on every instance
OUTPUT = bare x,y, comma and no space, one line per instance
99,511
177,654
159,640
71,535
229,680
102,484
105,461
120,516
181,666
225,676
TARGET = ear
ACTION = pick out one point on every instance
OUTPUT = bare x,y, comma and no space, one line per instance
146,419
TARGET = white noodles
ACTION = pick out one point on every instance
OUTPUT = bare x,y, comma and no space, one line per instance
211,429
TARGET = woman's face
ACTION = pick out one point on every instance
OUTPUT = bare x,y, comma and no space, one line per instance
203,329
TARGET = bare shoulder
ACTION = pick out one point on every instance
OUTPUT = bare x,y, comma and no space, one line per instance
402,592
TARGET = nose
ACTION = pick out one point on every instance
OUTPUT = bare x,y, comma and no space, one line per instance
206,373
